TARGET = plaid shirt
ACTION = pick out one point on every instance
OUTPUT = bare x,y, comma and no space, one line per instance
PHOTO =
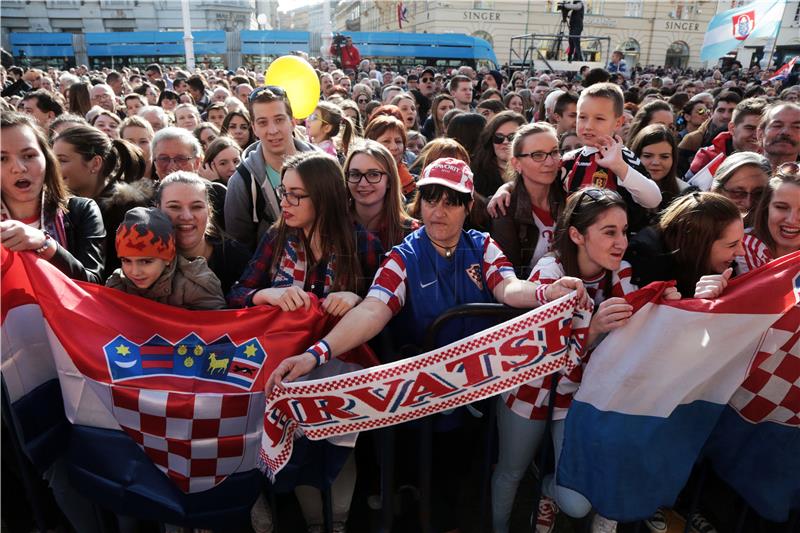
293,270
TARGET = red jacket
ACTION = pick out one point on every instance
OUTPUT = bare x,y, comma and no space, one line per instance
722,144
350,56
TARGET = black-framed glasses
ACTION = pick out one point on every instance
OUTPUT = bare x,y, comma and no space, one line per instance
499,138
362,100
178,160
541,156
291,197
372,176
738,194
426,80
274,89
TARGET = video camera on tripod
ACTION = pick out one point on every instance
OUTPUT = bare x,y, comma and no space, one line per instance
561,6
339,40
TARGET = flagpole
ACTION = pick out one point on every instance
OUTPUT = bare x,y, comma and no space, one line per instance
777,35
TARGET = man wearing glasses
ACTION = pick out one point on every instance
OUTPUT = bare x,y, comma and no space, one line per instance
251,203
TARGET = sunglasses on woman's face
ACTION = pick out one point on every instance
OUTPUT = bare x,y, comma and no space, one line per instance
499,138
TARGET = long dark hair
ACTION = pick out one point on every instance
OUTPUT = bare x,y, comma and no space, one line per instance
484,163
226,123
324,182
689,227
55,194
122,161
654,134
645,116
80,101
583,209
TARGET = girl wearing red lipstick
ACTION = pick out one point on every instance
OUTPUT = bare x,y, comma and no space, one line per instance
38,214
776,228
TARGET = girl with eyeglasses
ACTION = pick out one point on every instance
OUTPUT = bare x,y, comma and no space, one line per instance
324,124
374,193
493,151
590,241
313,249
526,231
741,178
776,222
693,115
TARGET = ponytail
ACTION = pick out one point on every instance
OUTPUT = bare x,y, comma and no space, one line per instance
129,162
347,135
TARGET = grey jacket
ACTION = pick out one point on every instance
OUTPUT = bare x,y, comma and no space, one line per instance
251,205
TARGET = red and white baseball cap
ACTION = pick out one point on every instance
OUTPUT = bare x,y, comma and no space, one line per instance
450,172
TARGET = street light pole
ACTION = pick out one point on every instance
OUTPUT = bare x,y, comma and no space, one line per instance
188,40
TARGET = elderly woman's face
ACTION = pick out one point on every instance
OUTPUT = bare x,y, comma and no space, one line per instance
745,187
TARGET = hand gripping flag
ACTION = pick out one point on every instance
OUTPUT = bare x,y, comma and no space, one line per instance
729,29
166,405
651,400
543,341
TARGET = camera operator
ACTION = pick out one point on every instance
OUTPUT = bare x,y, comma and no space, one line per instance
574,10
342,47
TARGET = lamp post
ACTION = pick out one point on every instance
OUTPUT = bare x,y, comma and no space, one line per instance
188,40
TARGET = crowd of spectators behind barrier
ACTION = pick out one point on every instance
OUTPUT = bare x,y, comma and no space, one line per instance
221,157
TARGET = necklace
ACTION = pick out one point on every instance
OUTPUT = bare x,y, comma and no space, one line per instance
448,250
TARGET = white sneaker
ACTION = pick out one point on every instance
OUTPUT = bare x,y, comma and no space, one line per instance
601,524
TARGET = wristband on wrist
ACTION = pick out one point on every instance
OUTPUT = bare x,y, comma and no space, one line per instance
45,246
321,352
541,294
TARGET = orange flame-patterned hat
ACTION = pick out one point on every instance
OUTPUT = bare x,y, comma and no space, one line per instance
146,232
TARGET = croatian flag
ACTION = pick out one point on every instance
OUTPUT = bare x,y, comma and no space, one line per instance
728,387
782,73
705,176
163,408
729,29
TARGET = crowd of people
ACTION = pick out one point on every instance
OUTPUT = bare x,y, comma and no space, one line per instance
403,194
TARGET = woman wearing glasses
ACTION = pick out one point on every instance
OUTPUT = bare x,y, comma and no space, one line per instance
374,193
313,249
741,178
362,94
493,151
526,231
433,269
693,115
776,222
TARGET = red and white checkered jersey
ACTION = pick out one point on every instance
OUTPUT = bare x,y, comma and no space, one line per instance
531,400
389,285
756,253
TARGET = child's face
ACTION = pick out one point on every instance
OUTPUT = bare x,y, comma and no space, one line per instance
143,271
596,119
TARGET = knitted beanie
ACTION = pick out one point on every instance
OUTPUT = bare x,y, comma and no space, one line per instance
146,232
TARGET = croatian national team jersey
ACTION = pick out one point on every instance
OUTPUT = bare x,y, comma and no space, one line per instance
756,253
531,399
547,226
418,284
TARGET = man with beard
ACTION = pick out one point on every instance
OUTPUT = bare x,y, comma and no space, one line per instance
779,133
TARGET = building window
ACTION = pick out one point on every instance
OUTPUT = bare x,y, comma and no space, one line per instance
683,9
484,35
677,55
630,51
483,4
633,8
593,7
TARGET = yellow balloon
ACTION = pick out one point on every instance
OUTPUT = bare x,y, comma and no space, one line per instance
297,77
